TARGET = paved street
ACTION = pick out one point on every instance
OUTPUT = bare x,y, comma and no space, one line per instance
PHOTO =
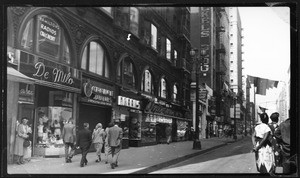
141,160
232,158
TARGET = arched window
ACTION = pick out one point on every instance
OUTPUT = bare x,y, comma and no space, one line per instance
44,36
94,59
126,73
147,82
175,92
163,88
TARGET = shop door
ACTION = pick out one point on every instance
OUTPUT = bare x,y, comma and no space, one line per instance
94,115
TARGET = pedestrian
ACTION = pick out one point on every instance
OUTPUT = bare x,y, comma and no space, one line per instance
84,141
276,147
69,139
114,139
107,150
98,140
262,147
22,135
168,133
282,134
28,150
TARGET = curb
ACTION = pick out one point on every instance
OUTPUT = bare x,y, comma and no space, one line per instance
180,159
174,161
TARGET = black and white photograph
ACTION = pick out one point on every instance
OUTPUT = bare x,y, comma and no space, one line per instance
156,89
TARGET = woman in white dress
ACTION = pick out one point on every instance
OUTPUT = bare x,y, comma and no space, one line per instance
262,146
20,137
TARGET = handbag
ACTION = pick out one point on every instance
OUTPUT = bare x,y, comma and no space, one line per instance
26,143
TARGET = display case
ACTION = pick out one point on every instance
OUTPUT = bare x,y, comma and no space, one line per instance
48,131
135,119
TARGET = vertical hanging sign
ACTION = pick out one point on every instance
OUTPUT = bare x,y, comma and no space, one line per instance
205,38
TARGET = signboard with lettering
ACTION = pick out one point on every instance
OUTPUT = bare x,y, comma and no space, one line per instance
26,93
128,102
158,118
205,39
96,92
52,73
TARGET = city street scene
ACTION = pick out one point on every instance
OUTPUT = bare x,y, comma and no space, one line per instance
149,90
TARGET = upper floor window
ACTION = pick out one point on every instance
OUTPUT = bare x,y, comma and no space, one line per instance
43,35
168,49
134,21
94,60
175,58
126,73
153,36
147,82
175,92
163,88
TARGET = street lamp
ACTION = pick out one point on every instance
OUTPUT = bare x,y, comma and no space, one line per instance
196,60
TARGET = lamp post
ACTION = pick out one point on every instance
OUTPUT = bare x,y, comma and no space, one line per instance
196,60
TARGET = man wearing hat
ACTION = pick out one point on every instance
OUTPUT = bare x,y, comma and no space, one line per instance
114,138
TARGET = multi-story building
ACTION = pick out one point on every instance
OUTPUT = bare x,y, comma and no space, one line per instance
95,65
210,35
236,80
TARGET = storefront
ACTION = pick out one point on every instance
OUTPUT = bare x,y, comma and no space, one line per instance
20,103
129,113
56,89
95,103
157,116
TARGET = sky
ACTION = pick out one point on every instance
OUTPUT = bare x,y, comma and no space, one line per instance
266,48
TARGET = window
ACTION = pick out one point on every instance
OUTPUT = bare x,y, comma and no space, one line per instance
153,36
231,62
126,73
163,88
231,43
47,40
231,80
134,21
94,60
175,93
231,34
147,83
168,49
231,52
231,70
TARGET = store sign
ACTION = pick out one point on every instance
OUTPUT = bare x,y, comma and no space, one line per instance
129,102
26,92
205,32
97,93
50,71
49,29
157,118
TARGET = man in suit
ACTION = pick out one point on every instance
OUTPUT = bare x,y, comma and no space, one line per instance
69,138
84,141
114,138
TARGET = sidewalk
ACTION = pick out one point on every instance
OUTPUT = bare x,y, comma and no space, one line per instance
135,160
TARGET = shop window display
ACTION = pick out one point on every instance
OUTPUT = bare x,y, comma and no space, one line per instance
181,129
135,127
148,129
50,123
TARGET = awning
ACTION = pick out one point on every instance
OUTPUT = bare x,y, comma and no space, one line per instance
16,76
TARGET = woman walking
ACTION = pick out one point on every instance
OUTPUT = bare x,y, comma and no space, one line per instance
107,148
98,137
262,147
20,137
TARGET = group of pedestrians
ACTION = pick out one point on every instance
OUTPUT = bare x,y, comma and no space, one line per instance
109,140
272,144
